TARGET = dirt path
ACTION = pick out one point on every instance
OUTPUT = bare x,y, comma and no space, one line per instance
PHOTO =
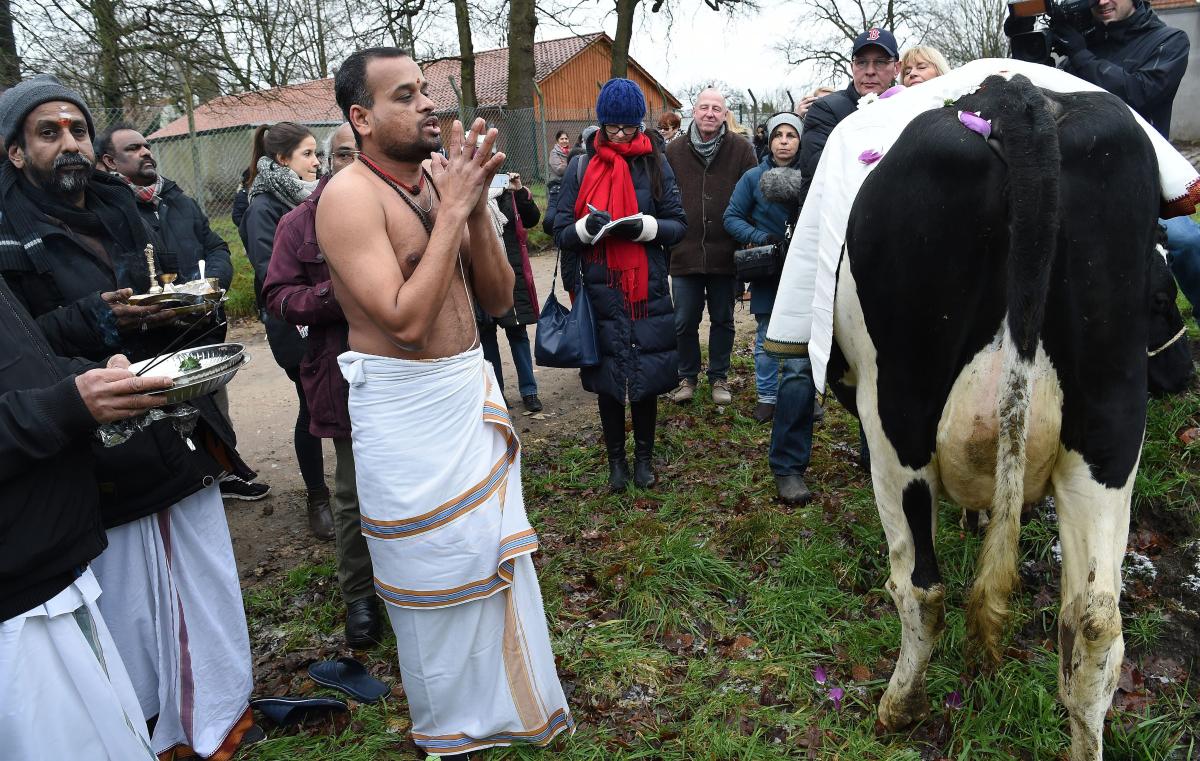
270,536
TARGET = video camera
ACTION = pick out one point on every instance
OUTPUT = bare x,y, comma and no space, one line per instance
1033,45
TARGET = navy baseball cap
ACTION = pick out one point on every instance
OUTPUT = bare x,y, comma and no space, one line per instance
876,36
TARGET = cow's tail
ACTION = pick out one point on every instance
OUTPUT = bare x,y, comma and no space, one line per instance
1028,139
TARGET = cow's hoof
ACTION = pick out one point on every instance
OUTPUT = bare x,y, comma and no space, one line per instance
897,713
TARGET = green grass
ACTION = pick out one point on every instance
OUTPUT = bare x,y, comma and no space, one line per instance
688,620
241,293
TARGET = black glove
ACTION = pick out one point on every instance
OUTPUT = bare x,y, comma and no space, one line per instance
628,229
1067,40
595,221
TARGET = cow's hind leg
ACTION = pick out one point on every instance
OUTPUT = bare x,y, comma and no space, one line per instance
907,502
1093,525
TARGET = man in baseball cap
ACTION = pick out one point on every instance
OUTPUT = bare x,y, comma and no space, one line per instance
874,64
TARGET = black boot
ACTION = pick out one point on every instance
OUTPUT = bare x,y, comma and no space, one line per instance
612,421
645,414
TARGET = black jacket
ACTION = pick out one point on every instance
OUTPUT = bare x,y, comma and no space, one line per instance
241,202
525,308
49,513
1141,60
638,358
180,231
823,115
155,468
257,230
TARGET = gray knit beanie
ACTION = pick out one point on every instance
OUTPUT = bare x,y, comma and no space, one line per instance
781,118
18,101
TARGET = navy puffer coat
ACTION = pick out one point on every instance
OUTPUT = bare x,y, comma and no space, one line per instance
637,357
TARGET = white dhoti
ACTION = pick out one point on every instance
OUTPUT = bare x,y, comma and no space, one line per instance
64,692
438,470
174,606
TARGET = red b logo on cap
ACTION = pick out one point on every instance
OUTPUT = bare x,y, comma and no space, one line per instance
873,34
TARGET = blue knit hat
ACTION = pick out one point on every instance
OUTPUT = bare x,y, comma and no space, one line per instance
620,102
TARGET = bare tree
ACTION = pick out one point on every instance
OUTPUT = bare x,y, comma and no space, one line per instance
964,30
626,11
10,61
830,27
466,55
522,23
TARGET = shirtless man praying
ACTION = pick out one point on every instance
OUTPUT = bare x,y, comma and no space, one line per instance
412,252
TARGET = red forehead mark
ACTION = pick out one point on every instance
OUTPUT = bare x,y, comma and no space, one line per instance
65,121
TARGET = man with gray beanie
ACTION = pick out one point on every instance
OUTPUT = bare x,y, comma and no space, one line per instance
72,253
707,165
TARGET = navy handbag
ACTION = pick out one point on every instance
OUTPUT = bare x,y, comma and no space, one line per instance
566,337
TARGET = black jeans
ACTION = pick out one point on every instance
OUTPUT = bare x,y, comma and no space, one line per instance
308,447
690,293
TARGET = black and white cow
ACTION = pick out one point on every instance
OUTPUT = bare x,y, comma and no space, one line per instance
993,341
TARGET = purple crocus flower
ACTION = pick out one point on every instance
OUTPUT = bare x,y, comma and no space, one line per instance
870,156
976,123
820,675
954,700
836,694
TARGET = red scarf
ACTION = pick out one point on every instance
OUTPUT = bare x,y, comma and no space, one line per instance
608,185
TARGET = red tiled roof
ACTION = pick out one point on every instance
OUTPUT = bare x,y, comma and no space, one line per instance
491,70
313,102
307,102
1165,5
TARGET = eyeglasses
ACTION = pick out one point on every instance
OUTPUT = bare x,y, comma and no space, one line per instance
621,129
862,64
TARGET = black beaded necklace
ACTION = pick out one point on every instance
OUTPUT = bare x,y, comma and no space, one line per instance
405,193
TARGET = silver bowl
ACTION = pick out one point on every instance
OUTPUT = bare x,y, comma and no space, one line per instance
199,384
227,355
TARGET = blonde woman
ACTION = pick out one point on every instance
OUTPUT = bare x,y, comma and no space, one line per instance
921,64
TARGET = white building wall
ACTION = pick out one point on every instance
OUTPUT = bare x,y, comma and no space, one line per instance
1185,116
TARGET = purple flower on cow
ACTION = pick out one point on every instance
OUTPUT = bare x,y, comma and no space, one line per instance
836,694
973,121
869,156
820,675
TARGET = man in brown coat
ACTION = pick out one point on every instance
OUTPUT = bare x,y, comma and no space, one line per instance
707,162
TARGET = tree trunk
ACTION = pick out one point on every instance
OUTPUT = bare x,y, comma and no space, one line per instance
10,62
108,39
620,49
521,126
522,22
466,56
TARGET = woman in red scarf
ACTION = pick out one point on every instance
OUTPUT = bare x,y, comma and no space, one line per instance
625,271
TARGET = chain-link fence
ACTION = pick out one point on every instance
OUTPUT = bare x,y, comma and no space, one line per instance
208,161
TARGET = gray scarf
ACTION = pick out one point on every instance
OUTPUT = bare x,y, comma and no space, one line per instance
281,182
707,151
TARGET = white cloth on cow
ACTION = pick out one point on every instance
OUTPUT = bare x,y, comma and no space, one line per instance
64,692
174,605
438,473
802,318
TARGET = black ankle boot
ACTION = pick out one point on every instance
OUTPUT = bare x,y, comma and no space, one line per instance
618,472
612,421
645,413
643,468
